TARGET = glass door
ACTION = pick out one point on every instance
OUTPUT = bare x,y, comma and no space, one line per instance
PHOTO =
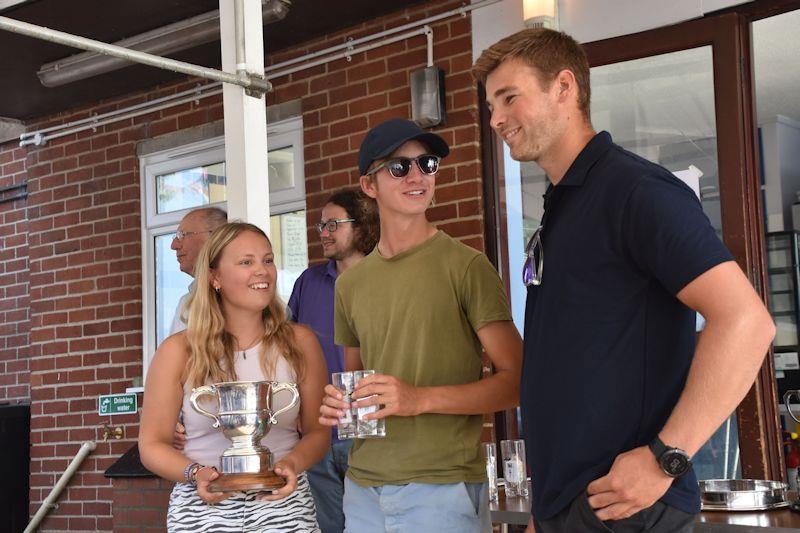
777,83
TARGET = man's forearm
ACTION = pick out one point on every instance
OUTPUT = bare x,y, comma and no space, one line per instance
725,364
494,393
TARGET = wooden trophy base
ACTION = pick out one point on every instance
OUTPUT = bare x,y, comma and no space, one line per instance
265,481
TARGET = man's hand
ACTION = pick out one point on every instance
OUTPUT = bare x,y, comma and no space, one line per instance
333,406
179,437
397,397
635,482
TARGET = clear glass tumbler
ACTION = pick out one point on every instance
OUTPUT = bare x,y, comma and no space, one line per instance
345,382
490,451
514,468
368,429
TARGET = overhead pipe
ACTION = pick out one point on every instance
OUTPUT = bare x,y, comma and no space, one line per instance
38,139
198,93
238,18
274,71
463,10
251,82
181,35
347,54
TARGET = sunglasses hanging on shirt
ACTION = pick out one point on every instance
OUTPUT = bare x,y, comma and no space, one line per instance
534,260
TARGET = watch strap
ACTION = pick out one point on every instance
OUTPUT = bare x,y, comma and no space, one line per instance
658,447
666,457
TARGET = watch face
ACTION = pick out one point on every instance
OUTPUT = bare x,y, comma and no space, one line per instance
675,463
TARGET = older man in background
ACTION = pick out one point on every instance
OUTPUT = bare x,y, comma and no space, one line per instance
192,234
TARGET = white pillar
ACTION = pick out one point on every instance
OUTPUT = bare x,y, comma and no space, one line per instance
245,119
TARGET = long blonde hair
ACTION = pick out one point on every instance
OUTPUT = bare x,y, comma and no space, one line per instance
210,344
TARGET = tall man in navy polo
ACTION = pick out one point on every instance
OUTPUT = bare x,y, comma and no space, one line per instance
623,260
348,230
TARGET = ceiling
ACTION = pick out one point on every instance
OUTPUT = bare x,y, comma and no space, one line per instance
22,96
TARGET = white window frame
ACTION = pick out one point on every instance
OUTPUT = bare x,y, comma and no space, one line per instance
283,134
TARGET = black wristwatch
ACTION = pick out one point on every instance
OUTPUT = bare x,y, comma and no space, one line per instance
674,462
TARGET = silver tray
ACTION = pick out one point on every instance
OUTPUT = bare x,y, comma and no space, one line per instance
742,494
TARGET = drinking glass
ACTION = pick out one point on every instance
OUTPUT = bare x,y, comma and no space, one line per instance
368,429
490,450
345,382
514,468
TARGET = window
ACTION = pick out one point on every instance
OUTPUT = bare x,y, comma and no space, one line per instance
178,180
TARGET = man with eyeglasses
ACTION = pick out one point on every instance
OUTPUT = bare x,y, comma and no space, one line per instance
419,310
193,231
610,322
348,231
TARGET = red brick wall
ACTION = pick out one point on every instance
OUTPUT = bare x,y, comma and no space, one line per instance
140,504
342,100
82,220
85,297
14,278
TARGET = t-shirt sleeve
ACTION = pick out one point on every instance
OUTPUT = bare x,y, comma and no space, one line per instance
668,235
344,335
483,297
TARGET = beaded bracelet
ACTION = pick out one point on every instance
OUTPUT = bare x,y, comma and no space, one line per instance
195,470
190,471
193,474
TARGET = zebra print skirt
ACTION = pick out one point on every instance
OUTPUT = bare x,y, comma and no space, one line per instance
242,512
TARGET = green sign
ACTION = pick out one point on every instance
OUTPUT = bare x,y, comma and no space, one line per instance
116,404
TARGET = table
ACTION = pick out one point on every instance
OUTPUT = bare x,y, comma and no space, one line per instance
510,511
516,511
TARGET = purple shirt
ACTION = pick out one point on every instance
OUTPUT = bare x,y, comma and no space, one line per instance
311,304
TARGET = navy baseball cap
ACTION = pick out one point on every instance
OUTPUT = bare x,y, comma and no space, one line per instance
387,137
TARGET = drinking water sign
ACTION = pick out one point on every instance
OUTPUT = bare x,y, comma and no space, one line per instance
116,404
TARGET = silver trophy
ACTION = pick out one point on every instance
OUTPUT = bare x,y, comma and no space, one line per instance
245,416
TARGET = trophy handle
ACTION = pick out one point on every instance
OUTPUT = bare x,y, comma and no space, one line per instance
202,391
278,387
786,398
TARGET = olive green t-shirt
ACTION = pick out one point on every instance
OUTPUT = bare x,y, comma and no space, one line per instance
414,316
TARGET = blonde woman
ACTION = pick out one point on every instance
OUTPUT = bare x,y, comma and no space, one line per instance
237,331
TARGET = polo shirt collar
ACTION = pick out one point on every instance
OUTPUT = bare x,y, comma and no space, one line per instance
331,269
594,149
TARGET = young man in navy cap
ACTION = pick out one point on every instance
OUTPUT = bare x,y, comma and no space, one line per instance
418,310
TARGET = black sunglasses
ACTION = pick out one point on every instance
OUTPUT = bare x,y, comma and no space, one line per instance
399,167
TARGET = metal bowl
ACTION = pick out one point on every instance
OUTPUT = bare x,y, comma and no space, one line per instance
742,494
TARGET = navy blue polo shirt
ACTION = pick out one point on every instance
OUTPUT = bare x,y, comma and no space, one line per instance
607,343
